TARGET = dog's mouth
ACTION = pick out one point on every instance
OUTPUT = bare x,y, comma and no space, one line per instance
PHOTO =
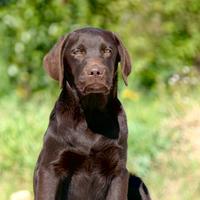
95,88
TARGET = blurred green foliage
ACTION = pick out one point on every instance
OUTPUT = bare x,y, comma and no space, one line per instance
161,36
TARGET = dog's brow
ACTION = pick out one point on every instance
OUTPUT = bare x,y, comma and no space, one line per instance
80,46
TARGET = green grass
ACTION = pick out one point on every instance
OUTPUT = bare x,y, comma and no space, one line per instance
22,125
146,139
151,141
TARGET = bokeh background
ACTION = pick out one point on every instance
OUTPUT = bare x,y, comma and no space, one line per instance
162,100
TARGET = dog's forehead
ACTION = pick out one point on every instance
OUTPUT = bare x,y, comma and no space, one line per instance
92,38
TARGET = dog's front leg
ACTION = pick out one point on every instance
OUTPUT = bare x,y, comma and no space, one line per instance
46,183
118,189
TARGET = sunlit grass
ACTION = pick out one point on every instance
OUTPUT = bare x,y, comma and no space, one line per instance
22,125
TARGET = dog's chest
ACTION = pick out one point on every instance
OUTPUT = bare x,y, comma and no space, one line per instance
91,174
93,178
88,186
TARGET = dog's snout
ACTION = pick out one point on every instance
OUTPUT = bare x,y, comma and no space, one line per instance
95,71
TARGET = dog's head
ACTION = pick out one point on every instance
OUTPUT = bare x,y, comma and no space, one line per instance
87,59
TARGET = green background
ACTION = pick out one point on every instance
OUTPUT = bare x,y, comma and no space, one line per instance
161,101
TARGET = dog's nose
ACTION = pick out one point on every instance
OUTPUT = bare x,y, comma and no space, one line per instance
95,71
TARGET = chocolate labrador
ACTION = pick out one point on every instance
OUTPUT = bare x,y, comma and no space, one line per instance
84,152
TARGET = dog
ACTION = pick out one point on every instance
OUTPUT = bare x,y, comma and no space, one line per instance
84,151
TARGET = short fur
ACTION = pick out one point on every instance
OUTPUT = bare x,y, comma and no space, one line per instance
85,146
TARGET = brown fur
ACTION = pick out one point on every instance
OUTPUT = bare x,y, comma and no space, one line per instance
85,146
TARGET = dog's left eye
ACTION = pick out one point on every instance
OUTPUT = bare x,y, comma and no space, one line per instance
107,51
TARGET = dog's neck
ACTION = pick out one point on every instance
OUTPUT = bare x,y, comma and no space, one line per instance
100,111
101,114
93,102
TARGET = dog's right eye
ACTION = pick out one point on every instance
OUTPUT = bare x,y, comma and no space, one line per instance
78,52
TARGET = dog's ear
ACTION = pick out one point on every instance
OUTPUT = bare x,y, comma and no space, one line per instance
124,59
53,60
